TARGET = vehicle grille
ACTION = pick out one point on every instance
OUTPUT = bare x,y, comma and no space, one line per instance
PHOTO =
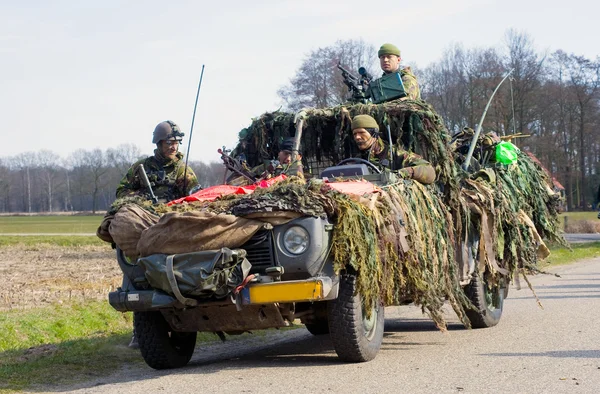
259,251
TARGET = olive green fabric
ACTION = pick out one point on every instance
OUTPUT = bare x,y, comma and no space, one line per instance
388,87
364,122
388,49
208,274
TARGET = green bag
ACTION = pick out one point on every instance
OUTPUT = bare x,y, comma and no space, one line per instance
211,273
506,153
386,88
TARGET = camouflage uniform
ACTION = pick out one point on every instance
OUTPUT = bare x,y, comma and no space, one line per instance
407,164
166,177
291,169
411,86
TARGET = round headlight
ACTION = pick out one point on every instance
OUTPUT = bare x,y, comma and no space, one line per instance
296,240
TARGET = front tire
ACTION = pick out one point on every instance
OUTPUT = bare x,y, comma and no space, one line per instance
355,337
488,301
161,347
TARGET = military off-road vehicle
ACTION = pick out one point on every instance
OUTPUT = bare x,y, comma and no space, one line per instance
376,240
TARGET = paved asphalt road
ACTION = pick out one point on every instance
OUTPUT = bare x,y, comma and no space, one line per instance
578,238
532,350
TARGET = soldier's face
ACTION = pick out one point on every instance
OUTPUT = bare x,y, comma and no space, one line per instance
389,63
169,148
363,138
285,157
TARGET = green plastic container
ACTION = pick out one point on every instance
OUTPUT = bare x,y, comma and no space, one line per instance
506,153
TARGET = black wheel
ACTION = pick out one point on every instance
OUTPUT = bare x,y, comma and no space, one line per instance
355,337
488,301
161,347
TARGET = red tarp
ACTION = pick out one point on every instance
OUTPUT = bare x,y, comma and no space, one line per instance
212,193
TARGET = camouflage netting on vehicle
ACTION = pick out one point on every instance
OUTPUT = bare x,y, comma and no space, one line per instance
406,241
327,136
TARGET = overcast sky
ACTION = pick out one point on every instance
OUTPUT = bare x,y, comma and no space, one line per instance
96,74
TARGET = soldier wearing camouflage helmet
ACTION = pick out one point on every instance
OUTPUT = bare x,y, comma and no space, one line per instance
365,132
389,60
166,170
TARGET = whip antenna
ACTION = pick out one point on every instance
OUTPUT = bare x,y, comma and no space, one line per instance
478,129
187,155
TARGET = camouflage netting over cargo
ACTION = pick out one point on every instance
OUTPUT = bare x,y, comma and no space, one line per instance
327,137
387,237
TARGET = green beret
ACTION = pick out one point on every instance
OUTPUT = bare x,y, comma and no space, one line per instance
364,122
388,49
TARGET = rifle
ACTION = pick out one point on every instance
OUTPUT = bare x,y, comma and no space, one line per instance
235,165
147,183
356,85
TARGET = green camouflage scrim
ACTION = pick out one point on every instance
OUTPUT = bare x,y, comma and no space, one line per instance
166,177
407,164
411,86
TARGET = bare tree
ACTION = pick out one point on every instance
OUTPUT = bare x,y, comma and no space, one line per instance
5,186
25,162
48,172
123,156
526,78
318,82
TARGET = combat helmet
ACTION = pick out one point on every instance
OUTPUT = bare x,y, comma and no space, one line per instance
166,130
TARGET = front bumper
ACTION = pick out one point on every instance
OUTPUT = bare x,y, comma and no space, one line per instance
315,289
310,290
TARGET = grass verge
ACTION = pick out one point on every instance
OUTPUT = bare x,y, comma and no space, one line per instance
65,344
50,224
62,343
571,218
562,255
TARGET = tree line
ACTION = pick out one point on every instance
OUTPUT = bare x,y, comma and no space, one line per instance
85,181
550,99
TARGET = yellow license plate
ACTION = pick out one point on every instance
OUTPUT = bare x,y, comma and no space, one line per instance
293,291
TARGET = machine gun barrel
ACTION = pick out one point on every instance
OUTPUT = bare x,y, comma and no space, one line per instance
230,164
146,181
347,74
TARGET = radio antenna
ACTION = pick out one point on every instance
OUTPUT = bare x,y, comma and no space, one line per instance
187,155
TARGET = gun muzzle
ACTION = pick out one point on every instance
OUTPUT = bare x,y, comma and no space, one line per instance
146,181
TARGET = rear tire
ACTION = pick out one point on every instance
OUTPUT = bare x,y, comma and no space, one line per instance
488,301
161,347
355,338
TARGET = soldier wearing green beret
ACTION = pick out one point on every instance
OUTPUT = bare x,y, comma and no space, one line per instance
165,169
365,131
389,60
